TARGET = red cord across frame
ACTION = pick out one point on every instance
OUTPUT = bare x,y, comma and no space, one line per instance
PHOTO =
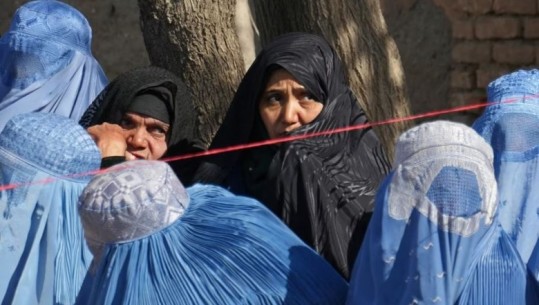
283,140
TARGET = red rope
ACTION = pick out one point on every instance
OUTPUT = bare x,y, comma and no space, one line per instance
324,133
279,140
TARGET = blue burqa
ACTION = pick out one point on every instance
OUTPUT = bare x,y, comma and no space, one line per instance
158,243
435,237
511,126
43,256
46,64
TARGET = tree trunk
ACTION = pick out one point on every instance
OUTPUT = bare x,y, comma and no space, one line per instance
197,41
247,32
357,30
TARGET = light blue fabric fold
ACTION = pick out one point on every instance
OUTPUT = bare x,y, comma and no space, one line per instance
511,126
223,249
46,64
434,237
43,254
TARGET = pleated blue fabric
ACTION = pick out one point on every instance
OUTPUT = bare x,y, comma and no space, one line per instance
511,126
158,243
46,63
434,237
533,268
43,255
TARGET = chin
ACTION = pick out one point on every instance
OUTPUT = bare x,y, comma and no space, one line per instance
129,157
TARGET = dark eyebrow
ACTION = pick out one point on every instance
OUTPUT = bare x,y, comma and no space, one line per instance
153,121
160,124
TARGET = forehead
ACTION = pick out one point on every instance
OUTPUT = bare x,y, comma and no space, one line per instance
137,117
279,76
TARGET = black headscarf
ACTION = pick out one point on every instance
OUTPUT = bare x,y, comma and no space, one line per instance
116,99
323,188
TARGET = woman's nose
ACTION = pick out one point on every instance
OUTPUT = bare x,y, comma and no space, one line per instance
137,138
289,111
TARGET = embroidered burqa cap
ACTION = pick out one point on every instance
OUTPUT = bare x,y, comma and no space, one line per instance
46,64
163,244
434,237
46,157
131,202
511,126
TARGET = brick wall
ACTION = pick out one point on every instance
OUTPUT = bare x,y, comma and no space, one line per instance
488,38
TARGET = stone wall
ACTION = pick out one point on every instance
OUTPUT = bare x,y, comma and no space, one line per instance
488,38
422,33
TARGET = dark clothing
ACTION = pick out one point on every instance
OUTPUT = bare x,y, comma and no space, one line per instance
323,187
117,98
111,161
154,103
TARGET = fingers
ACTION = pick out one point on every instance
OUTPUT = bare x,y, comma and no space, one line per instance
110,138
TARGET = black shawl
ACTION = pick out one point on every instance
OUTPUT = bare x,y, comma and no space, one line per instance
112,103
323,188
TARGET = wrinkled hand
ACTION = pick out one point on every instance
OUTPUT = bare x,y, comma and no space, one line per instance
110,138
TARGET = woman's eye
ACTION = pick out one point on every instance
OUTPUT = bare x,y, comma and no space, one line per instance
273,98
308,96
126,123
157,131
308,100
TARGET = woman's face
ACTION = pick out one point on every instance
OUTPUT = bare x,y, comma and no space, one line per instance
286,105
145,136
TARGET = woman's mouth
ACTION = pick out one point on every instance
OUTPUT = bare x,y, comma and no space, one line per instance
129,156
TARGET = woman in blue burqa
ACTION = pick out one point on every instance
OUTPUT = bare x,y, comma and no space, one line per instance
511,126
155,242
322,187
46,63
43,255
435,235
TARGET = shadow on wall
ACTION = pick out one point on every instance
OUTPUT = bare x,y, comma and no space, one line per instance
117,40
422,33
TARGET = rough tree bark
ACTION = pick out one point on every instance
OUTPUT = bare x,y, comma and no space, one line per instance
247,33
196,39
357,30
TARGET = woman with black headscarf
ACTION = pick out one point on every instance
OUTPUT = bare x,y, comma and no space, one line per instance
322,187
146,113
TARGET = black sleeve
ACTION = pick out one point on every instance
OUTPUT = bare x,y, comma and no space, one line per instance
110,161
